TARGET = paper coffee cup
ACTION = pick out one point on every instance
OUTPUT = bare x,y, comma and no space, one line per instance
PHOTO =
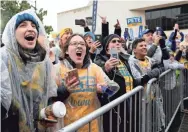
59,109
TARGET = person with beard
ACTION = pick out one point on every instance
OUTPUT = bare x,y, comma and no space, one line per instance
27,82
80,90
57,50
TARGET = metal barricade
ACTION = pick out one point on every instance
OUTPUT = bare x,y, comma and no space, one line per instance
149,110
183,82
183,75
133,117
163,101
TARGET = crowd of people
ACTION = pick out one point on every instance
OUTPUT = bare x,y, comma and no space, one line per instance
35,73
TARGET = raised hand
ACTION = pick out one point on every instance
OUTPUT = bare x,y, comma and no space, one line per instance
94,46
103,19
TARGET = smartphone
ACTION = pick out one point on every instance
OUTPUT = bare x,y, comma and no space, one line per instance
73,73
157,31
114,53
50,120
79,22
98,37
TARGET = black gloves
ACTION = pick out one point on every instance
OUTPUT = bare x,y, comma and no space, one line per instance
162,43
154,73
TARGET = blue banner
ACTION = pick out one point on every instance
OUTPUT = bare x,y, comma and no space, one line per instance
94,15
134,21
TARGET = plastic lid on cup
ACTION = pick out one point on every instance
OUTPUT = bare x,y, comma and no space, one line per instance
42,113
59,109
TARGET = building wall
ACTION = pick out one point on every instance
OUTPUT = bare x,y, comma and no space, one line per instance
121,13
113,10
67,19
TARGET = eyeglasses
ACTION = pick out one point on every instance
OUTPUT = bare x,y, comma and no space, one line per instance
75,44
114,41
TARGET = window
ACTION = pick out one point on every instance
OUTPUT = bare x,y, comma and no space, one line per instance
167,17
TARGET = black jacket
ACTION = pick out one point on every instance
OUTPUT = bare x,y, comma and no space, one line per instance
118,78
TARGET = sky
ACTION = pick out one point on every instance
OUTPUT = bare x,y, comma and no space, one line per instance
55,6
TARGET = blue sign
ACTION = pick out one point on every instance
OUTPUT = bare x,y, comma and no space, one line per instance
131,34
140,31
134,21
94,16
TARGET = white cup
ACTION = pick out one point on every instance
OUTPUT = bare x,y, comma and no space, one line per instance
57,109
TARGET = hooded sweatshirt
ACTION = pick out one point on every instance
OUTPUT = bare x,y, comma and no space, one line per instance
82,99
29,85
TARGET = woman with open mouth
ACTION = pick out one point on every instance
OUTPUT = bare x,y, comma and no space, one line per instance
26,81
79,89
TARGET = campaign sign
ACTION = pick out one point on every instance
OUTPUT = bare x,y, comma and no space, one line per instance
134,21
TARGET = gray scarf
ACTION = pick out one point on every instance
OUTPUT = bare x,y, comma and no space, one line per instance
35,55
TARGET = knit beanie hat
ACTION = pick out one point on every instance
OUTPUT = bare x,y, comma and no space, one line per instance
26,17
106,42
65,30
90,34
108,39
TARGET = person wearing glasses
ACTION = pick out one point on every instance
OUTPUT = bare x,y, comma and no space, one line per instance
116,67
79,90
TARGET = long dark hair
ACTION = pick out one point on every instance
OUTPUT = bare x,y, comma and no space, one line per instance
65,48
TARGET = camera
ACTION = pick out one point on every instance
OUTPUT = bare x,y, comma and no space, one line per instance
80,22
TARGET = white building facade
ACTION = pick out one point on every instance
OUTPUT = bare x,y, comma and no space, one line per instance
152,13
